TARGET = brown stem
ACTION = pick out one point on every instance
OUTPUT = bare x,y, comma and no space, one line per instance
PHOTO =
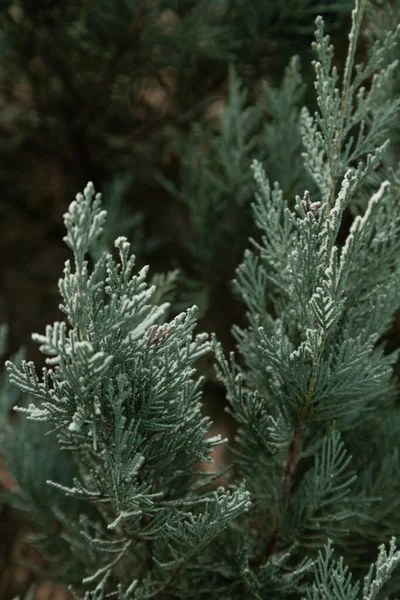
273,539
293,453
286,485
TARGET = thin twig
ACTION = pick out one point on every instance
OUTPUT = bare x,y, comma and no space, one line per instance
293,454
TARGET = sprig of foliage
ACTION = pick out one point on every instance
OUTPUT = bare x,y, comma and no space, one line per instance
314,368
353,121
119,395
333,579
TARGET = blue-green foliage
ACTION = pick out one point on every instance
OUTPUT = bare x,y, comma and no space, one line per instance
314,394
315,457
120,398
333,579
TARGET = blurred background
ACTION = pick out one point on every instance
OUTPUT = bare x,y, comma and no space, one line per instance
163,104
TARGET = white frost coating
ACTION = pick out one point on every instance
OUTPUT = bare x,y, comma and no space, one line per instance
120,240
73,205
89,190
345,256
374,200
122,244
356,224
341,198
216,439
260,177
156,313
385,564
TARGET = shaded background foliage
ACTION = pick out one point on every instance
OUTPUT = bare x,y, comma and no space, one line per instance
163,104
98,90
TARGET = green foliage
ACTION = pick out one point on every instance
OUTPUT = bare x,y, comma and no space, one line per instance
319,300
380,17
115,488
120,400
216,183
333,579
353,122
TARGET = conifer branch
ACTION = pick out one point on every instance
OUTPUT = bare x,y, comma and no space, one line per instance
358,14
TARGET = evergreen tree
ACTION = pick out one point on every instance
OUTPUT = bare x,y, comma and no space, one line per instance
114,488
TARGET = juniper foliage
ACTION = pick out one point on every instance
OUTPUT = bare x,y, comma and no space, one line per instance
119,398
314,394
126,511
381,16
112,487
